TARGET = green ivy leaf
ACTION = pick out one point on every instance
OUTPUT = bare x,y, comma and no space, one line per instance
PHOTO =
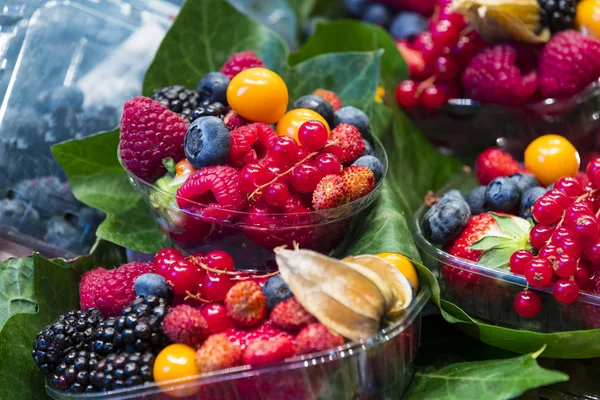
302,8
16,288
490,380
489,242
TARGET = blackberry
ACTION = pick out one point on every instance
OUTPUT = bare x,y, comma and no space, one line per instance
138,328
207,109
178,99
71,331
73,372
127,369
558,15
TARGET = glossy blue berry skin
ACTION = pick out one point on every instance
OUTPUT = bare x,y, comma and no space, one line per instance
528,198
446,218
352,116
502,195
475,198
151,284
376,14
368,148
355,7
276,291
213,87
207,142
524,181
317,104
407,25
65,96
373,163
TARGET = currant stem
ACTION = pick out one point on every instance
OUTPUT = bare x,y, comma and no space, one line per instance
577,200
424,85
236,274
197,297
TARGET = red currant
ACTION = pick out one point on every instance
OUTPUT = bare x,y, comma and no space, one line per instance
215,286
451,89
539,272
277,194
570,186
429,49
216,317
571,247
220,260
284,150
313,135
184,276
592,169
406,94
560,234
446,69
327,164
566,291
565,266
165,259
539,235
279,171
585,228
253,176
575,211
433,97
445,33
561,197
592,252
546,210
519,260
584,276
302,153
335,150
527,304
549,251
305,178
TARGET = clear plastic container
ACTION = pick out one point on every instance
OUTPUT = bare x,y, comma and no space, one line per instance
465,127
380,367
251,238
488,294
76,64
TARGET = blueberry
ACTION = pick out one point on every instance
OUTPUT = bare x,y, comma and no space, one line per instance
528,198
213,87
446,218
317,104
151,284
502,194
352,116
64,124
207,142
276,291
524,181
407,25
368,148
476,200
373,163
65,96
49,193
20,215
355,7
376,14
62,233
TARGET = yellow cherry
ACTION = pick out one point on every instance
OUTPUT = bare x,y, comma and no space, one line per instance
175,362
404,265
550,157
259,95
290,123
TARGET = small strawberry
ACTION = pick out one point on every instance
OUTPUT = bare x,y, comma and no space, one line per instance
491,239
331,192
246,304
494,163
262,352
266,331
185,324
348,138
217,352
291,316
331,97
360,181
317,337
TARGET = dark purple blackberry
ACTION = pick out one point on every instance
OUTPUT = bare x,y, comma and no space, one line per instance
138,328
178,99
71,331
207,109
73,372
127,369
558,15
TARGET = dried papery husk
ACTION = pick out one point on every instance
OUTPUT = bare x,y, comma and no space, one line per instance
505,19
338,295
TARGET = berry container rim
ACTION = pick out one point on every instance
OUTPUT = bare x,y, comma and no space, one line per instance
345,351
461,181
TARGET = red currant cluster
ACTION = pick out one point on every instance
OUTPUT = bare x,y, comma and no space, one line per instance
436,59
567,242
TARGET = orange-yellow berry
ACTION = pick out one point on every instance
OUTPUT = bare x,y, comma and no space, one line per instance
175,362
291,122
404,265
184,167
550,157
360,181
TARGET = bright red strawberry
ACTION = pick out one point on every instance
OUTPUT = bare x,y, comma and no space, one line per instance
262,352
317,337
289,315
477,227
246,304
150,132
331,97
239,62
331,192
494,163
217,352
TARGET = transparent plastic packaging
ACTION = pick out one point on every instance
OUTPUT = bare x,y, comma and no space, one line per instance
380,367
488,294
250,238
465,127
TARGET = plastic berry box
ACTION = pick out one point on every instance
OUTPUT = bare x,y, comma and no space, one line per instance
248,239
488,294
380,367
98,50
465,127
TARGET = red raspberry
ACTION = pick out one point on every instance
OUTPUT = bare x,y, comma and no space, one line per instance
262,352
493,76
331,192
360,181
239,62
316,337
185,324
289,315
87,288
149,133
246,304
243,337
212,192
331,97
249,142
348,138
216,353
233,120
494,163
114,290
569,62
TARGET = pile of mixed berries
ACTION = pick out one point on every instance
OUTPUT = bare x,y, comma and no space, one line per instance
174,318
540,220
450,59
231,151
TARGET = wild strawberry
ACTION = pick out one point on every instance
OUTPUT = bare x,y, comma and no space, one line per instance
317,337
266,331
348,138
185,324
246,304
217,352
494,163
360,181
291,316
262,352
331,192
331,98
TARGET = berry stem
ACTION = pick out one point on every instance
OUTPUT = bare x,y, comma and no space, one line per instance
235,274
244,278
577,200
197,297
424,85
